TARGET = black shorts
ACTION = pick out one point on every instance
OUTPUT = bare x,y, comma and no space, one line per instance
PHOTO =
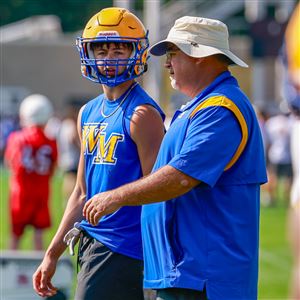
107,275
180,294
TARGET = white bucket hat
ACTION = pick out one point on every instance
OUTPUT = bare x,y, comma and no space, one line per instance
198,37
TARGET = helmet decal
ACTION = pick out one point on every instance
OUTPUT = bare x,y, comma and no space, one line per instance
108,33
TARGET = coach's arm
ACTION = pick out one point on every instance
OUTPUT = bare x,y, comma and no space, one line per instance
166,183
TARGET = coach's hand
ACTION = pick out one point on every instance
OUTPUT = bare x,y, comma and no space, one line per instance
41,279
98,206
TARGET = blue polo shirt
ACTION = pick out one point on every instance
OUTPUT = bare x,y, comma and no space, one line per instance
209,236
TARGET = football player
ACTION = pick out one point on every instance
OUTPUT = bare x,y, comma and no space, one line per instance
31,157
120,131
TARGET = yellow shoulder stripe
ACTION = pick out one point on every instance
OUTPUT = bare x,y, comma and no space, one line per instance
225,102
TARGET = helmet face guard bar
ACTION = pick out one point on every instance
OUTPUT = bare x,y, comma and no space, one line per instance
135,65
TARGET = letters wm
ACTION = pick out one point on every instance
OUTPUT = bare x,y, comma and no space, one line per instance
96,143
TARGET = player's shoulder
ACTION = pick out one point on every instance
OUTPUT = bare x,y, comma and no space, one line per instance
146,118
90,107
146,109
15,136
142,101
140,95
93,102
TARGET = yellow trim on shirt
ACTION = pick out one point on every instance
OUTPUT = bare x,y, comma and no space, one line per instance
225,102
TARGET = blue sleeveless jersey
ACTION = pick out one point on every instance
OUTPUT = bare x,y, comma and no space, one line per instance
111,160
208,237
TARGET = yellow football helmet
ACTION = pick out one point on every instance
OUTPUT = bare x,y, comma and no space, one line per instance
117,25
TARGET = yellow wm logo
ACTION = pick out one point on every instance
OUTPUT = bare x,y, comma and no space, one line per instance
94,140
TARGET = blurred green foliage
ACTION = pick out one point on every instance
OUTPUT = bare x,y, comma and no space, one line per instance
73,13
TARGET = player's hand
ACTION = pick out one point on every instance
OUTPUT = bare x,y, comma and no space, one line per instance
98,206
41,279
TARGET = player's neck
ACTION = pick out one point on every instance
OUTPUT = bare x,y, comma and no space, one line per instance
113,93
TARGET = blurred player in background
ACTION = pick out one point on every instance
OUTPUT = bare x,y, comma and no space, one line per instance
120,131
31,157
292,94
278,128
69,149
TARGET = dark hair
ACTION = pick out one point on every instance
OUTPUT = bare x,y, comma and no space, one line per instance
117,44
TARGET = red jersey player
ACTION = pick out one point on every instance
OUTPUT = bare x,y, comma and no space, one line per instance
31,156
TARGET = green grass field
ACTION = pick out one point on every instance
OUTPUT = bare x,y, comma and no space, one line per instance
275,257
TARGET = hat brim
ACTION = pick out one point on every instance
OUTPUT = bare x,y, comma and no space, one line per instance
196,50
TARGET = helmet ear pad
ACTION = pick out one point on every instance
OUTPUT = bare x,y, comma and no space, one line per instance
141,65
84,70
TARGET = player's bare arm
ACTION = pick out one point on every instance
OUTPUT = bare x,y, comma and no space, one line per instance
164,184
73,213
147,131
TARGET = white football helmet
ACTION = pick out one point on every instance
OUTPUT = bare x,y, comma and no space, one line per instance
35,109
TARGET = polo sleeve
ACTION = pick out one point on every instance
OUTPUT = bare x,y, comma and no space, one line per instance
212,138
